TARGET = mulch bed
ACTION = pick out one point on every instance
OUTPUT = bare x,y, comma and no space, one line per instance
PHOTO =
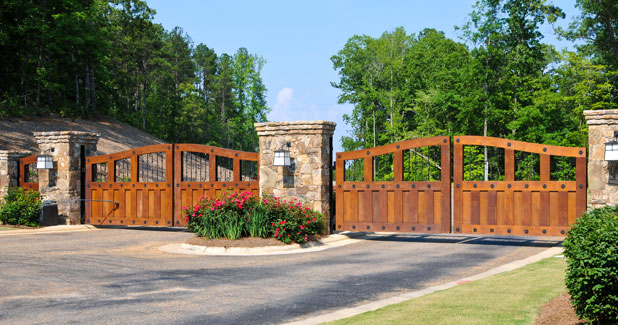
558,311
247,242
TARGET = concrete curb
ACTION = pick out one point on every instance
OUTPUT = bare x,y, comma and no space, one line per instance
331,241
47,230
347,312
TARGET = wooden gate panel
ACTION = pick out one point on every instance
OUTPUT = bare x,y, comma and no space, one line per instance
131,195
28,174
197,174
516,207
395,205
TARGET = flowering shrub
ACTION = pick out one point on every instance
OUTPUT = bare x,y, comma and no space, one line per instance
236,215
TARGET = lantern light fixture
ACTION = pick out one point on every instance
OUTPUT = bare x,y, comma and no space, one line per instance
282,156
611,148
44,161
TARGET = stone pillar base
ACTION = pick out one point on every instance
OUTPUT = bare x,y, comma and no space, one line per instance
602,174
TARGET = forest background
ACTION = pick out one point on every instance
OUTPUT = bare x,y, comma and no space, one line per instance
85,58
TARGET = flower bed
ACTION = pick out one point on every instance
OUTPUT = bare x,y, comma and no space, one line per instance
237,215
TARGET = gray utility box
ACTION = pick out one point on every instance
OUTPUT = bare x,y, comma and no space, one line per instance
49,214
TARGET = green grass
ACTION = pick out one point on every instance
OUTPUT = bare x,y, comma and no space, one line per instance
513,297
6,228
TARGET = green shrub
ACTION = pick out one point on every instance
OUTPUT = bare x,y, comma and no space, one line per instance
21,207
591,248
242,214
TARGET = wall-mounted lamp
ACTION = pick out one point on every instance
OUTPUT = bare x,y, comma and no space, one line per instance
611,148
44,161
282,156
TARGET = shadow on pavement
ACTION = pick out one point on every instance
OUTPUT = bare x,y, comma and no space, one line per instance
464,239
142,228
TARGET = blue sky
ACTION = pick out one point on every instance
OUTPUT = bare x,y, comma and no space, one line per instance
297,39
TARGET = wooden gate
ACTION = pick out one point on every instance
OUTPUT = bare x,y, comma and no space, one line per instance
150,185
402,187
531,189
207,171
28,174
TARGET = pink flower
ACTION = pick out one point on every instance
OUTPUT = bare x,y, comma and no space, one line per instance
305,238
308,222
184,208
212,209
299,232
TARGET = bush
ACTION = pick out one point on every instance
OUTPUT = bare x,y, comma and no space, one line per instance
591,249
242,214
21,207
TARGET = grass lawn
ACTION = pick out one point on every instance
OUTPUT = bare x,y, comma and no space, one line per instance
513,297
6,228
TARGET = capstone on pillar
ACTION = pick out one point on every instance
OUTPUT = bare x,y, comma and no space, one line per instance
63,183
602,174
9,169
308,180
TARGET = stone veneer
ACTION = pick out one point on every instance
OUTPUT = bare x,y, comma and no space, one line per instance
310,151
63,183
9,169
602,174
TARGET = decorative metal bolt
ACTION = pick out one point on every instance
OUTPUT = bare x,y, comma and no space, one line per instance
474,229
367,186
413,228
458,185
526,231
368,227
581,186
544,231
491,229
544,149
397,185
544,185
398,147
474,185
508,230
339,226
457,229
562,186
508,144
444,141
527,186
397,227
354,227
509,186
428,228
428,185
383,227
382,185
353,186
368,153
492,185
413,185
457,140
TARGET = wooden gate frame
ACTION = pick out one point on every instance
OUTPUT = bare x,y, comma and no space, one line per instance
539,218
22,172
167,197
389,214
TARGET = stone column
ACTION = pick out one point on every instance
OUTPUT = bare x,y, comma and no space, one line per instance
308,180
9,169
602,174
63,182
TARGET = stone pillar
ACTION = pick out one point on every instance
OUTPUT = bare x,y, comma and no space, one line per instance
63,183
308,179
602,174
9,169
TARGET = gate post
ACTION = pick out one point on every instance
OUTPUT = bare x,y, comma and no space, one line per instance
602,174
308,179
9,169
63,182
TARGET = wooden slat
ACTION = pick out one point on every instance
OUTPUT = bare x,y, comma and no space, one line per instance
544,216
414,206
491,207
475,213
526,212
545,167
580,179
390,199
563,208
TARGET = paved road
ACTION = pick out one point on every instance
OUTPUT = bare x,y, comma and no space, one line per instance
119,276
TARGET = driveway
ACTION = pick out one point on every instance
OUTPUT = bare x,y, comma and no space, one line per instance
120,276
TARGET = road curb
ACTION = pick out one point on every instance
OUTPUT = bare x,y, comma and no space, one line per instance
47,230
347,312
331,241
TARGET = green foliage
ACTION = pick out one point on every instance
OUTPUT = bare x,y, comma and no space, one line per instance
21,207
591,248
84,58
242,214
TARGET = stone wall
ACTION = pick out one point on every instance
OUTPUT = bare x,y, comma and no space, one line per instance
9,169
602,175
308,180
63,183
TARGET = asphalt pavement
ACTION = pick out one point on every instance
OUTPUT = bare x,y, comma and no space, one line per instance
119,276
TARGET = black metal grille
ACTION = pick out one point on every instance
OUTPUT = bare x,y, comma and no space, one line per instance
31,174
474,164
248,170
354,170
422,164
99,172
383,169
195,167
122,170
225,169
151,167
